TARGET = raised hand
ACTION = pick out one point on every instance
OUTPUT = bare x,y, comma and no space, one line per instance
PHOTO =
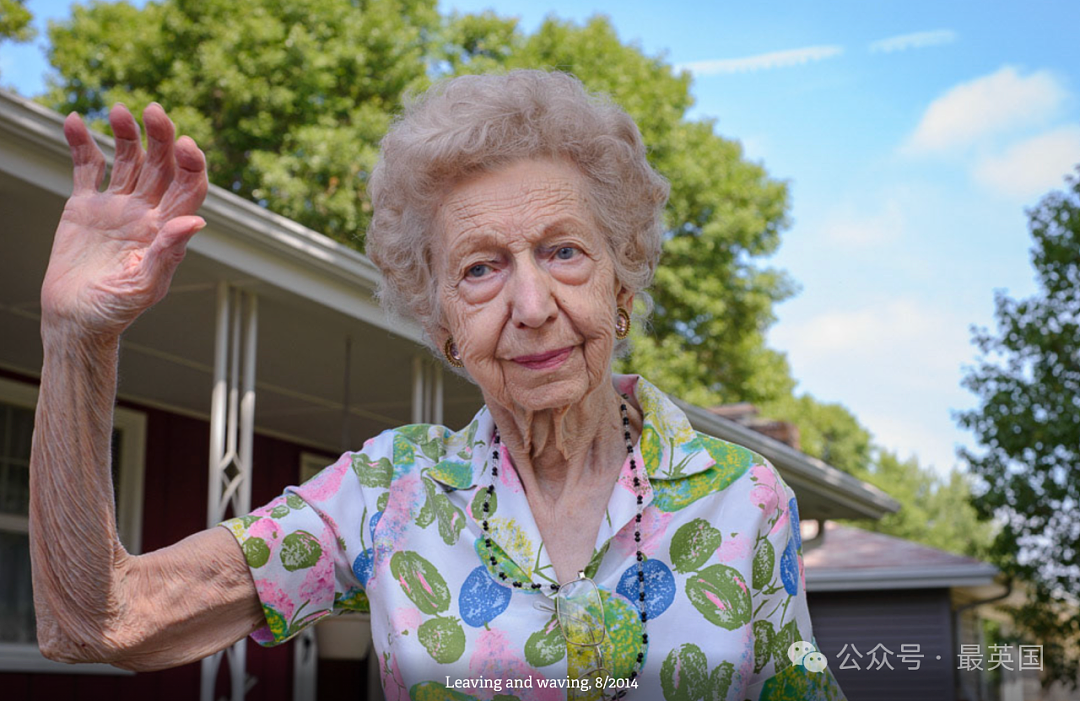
115,252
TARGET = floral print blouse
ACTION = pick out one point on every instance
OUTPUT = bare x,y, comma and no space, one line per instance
394,529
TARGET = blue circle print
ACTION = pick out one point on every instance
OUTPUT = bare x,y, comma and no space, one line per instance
789,568
374,521
793,507
362,565
659,587
482,598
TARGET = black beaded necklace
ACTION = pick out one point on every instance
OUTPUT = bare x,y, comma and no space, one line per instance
517,584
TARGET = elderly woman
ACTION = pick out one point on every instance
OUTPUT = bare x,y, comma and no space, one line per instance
578,538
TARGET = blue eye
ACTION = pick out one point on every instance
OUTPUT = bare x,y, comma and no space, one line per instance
478,270
566,253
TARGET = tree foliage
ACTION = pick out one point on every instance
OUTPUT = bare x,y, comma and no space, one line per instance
15,21
1027,425
289,101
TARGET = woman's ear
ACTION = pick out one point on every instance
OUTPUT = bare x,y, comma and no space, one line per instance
625,299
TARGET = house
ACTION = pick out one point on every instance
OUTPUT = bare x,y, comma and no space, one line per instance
268,359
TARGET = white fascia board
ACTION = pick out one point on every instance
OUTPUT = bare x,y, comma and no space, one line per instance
901,578
799,470
239,233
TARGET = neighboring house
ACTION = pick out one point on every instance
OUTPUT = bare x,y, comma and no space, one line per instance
879,601
268,359
900,621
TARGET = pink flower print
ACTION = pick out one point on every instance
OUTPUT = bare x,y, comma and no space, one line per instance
405,502
508,473
393,683
270,506
269,530
325,484
275,597
654,525
781,522
764,497
737,547
493,658
763,476
407,618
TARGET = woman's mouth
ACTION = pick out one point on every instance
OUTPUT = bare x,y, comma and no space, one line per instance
545,361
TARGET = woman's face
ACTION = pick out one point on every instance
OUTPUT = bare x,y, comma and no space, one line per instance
527,284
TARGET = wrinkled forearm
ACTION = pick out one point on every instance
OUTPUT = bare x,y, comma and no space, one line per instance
74,549
94,601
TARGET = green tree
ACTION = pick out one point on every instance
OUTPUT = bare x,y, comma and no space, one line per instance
935,511
827,431
15,21
1027,425
289,101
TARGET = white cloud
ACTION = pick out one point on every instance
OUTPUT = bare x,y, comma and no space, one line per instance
896,363
849,228
987,106
916,40
1033,166
759,62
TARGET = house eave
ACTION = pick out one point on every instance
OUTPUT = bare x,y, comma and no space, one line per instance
976,575
804,473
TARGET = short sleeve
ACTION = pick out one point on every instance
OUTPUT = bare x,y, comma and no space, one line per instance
310,549
781,617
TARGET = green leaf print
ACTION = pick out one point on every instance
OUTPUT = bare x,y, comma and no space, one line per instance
295,502
719,682
693,544
382,501
477,505
404,452
451,519
596,559
249,520
652,449
684,673
434,691
763,641
443,638
256,552
373,474
276,622
279,511
782,641
720,593
764,562
796,683
415,433
546,646
731,462
508,565
420,581
300,550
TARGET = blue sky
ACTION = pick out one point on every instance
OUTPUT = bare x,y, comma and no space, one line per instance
912,135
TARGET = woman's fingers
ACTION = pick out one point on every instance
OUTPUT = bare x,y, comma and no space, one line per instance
159,165
87,157
189,186
169,246
129,151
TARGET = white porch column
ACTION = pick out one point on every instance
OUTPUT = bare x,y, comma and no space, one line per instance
427,401
232,422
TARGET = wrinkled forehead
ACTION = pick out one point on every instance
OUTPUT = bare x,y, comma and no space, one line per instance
515,204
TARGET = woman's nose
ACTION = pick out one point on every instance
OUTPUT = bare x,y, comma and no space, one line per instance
532,296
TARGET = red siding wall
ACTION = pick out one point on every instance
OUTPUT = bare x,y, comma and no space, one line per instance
175,482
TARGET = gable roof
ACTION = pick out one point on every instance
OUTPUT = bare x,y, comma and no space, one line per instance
850,558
